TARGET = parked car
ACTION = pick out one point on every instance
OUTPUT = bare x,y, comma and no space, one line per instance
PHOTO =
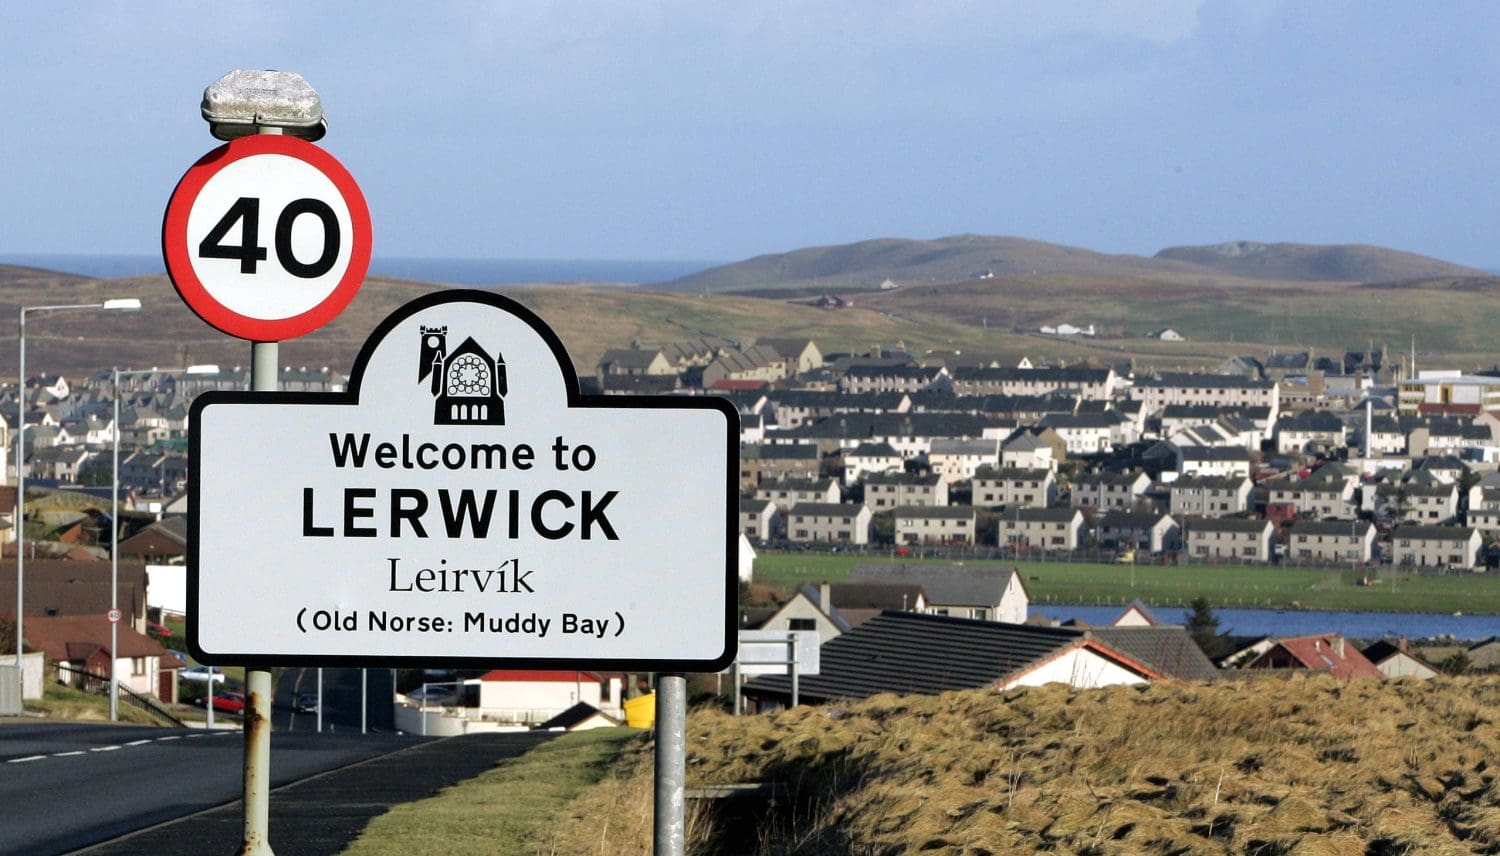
201,673
229,702
305,703
155,629
224,702
433,694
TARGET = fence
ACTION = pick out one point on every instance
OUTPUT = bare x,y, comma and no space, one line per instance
99,685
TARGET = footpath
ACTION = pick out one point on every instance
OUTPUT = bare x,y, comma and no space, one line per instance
324,813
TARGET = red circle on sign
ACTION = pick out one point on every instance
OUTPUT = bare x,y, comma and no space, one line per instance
113,615
179,254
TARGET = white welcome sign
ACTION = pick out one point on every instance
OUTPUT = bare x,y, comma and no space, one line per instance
462,504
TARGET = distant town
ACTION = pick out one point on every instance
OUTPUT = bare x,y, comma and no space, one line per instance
1346,460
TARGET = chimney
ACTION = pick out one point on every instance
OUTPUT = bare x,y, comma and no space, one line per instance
1337,643
825,597
1401,644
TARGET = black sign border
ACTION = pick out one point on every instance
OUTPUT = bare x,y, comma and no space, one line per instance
575,399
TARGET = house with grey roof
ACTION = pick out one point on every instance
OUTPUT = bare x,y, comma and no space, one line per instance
1213,460
1092,384
1150,531
911,654
1208,496
870,459
1330,541
1044,529
802,355
1229,538
1013,487
1310,431
1028,450
789,493
827,522
885,491
772,462
956,460
941,525
1216,390
987,592
760,519
1414,545
1109,490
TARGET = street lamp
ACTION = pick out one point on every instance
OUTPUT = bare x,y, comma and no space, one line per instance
114,539
116,304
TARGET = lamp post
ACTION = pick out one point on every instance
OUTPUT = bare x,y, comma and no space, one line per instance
117,304
114,539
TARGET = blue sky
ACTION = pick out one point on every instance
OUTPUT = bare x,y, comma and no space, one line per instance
717,131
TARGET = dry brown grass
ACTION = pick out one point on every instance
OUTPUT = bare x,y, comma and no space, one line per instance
1307,765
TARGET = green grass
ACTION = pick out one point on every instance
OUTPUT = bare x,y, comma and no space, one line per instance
59,701
508,809
1224,586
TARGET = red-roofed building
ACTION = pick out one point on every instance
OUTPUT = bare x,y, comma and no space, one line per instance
1328,652
81,642
529,697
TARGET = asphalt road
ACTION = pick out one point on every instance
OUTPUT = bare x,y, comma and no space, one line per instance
341,708
64,786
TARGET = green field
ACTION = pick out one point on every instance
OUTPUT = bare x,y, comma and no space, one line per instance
1224,586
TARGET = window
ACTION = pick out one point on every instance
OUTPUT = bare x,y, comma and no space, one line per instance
801,624
1248,551
137,666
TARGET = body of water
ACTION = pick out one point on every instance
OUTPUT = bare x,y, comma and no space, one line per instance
447,271
1300,622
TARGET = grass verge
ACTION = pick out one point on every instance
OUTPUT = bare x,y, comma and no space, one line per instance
64,702
1245,586
508,809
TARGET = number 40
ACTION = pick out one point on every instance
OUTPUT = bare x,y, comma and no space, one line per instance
249,252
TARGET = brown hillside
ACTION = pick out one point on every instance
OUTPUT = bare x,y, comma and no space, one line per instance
1304,765
866,264
1314,263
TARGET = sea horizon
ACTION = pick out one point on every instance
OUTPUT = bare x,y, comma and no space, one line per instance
439,270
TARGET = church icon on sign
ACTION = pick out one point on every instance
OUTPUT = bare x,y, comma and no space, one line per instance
468,387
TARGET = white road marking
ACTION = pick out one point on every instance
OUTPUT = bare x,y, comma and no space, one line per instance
66,754
104,748
139,742
27,758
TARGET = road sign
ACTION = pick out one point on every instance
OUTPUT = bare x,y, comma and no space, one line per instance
113,615
462,505
769,652
267,237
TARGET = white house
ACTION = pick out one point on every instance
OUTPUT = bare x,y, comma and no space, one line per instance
531,696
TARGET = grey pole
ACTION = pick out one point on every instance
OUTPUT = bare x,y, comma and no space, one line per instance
671,765
114,565
122,304
21,507
320,699
257,798
364,698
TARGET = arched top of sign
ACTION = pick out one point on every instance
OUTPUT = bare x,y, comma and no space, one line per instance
440,298
267,237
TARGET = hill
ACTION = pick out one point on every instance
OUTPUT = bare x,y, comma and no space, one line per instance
1302,764
867,264
1315,263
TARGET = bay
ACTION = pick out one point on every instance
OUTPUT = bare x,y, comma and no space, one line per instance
439,270
1300,622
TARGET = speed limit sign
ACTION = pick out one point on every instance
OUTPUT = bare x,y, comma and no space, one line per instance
113,615
267,237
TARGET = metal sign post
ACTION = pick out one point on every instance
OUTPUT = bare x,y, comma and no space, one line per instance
670,818
268,181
